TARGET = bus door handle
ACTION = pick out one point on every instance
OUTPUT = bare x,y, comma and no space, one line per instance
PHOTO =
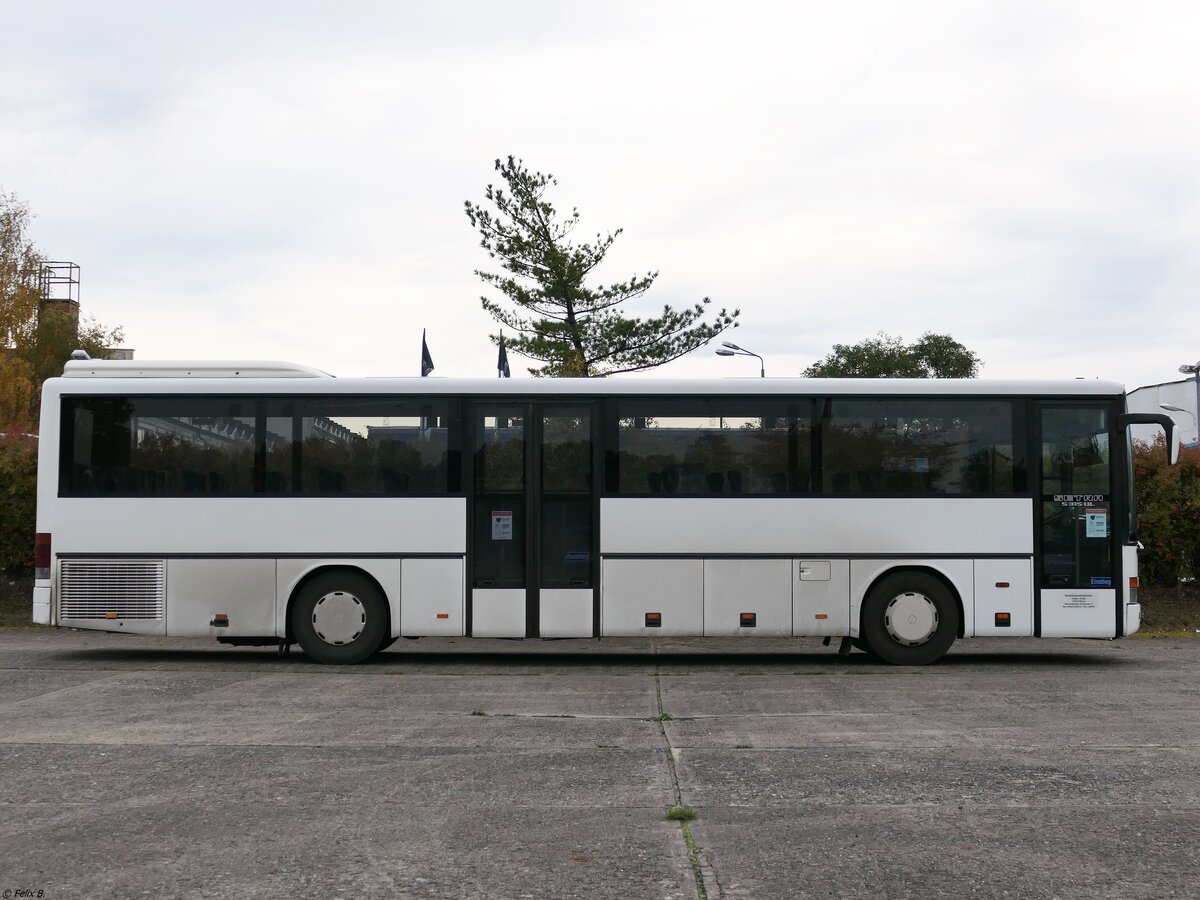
486,582
578,582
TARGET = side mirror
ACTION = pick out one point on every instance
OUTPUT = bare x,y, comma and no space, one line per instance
1166,422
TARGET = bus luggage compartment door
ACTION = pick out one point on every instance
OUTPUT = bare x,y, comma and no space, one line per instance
821,597
652,597
748,597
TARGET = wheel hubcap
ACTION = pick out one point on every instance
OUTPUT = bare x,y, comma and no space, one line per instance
911,618
339,618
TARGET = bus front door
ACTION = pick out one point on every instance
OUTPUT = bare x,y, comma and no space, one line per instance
1077,578
533,520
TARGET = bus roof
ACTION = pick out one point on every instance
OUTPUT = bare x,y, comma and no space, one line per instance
259,377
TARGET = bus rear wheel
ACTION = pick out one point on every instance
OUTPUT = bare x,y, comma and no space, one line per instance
910,619
340,618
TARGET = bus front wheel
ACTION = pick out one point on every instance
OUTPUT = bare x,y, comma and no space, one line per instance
910,619
340,618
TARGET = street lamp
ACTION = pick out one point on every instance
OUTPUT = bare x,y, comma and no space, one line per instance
1186,412
734,350
1194,370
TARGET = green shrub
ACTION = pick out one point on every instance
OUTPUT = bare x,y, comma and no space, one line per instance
18,500
1168,513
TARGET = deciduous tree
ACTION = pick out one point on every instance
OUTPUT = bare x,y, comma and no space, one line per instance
887,356
35,339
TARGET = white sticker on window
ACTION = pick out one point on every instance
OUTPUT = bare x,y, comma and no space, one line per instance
502,525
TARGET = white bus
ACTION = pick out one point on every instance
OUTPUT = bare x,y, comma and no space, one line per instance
268,503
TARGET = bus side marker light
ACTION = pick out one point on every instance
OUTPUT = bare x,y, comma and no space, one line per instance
654,620
1002,584
1003,620
822,615
443,615
749,620
1133,582
220,620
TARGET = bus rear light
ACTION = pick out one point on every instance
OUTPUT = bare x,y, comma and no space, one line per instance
1133,582
41,555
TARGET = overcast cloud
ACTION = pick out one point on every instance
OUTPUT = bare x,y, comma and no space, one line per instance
286,181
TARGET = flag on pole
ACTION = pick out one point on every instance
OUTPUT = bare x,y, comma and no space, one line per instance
426,359
502,362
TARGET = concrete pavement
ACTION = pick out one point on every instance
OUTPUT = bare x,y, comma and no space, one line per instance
459,768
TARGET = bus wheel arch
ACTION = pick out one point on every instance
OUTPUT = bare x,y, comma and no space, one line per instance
335,595
932,609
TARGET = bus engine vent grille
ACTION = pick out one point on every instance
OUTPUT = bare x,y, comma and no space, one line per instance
112,588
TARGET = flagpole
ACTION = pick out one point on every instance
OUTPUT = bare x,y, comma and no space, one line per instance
426,358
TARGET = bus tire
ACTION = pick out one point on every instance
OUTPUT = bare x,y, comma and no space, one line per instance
340,618
860,643
909,619
387,642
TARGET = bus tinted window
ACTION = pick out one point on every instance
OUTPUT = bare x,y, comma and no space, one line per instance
322,446
897,446
713,446
159,445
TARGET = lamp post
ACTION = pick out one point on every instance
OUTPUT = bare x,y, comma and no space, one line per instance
1186,412
731,349
1194,370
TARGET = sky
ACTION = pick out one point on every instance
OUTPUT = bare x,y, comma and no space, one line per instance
286,181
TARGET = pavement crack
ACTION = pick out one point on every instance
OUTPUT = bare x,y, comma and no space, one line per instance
695,857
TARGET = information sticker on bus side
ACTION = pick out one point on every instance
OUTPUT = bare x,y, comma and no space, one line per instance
1097,523
502,529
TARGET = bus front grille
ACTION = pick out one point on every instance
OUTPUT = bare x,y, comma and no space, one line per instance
112,589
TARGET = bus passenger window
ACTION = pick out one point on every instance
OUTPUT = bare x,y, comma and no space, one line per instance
705,447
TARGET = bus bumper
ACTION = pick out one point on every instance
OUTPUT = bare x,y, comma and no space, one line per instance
1133,618
41,604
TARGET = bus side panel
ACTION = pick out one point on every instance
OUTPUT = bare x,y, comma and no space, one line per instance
433,598
959,572
199,589
1079,612
41,602
47,497
821,598
1129,571
817,526
1003,598
748,597
635,591
261,526
292,571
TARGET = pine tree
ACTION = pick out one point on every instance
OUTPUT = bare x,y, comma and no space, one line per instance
572,326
